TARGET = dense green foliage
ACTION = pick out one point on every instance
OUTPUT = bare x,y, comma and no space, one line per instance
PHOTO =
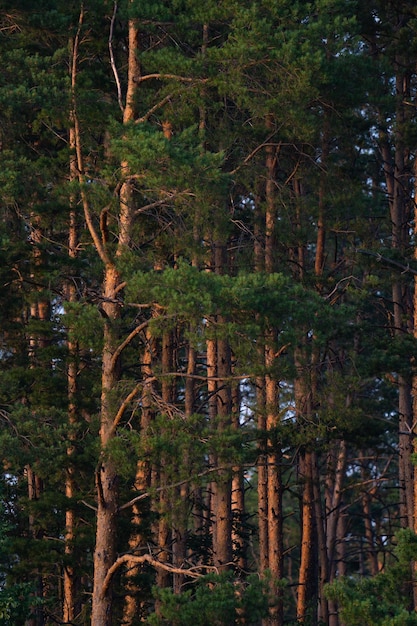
383,600
258,206
216,600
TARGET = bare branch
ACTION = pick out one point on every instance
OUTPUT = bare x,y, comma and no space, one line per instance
78,151
182,79
250,156
124,406
89,506
147,558
112,61
405,269
127,341
158,203
151,111
213,378
147,494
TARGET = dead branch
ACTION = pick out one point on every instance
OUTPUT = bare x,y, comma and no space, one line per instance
164,201
147,558
78,151
147,494
124,406
152,110
127,341
405,269
112,61
182,79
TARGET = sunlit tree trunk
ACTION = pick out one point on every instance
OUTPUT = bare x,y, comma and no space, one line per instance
132,609
271,488
307,584
307,592
71,605
262,468
336,465
106,474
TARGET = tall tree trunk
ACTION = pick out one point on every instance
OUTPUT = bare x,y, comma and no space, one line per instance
71,606
336,465
397,181
323,562
132,609
222,485
70,578
106,473
39,311
181,514
164,530
270,479
239,542
262,470
274,488
414,393
307,585
367,518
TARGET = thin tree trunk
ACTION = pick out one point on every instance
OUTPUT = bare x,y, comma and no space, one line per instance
367,518
222,485
71,606
262,471
307,585
323,563
396,175
132,609
239,542
40,311
164,531
272,480
335,474
414,400
180,525
274,490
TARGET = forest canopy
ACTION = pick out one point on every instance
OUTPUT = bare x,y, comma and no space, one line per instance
208,317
